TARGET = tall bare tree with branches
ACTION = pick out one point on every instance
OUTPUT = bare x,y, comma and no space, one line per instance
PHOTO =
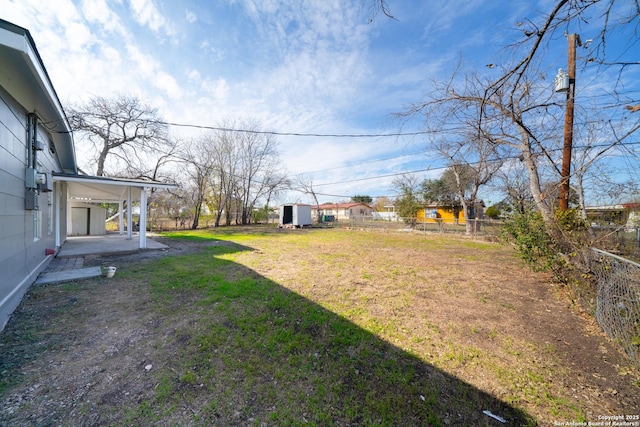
123,127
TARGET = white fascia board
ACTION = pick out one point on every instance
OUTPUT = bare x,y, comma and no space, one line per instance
14,40
22,43
112,181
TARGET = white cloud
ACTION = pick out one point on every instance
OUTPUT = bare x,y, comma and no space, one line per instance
78,36
168,84
191,16
219,88
146,13
97,11
211,52
193,74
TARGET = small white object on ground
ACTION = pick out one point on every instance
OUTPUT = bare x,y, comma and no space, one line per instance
495,417
111,271
148,367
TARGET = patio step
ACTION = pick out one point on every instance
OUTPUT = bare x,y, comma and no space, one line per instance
68,275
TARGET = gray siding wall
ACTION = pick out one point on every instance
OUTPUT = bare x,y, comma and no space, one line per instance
24,234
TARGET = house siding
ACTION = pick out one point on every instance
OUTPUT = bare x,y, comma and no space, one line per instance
22,252
445,215
345,212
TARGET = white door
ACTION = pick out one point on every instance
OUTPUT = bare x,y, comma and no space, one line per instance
79,221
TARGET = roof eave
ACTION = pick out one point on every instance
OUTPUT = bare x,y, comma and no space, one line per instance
25,78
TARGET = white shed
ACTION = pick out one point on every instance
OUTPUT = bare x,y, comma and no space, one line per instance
295,215
86,219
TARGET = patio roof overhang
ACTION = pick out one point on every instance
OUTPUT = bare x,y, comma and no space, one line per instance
99,189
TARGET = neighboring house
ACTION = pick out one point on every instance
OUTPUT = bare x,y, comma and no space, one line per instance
389,214
39,181
624,214
343,211
434,213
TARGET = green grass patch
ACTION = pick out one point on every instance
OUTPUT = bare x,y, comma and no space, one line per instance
275,356
320,327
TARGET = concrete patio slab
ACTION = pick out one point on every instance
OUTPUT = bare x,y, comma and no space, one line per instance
68,275
107,244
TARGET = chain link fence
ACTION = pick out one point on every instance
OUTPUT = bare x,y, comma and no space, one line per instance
484,228
618,300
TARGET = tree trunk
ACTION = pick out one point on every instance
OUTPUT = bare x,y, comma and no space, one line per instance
101,160
196,216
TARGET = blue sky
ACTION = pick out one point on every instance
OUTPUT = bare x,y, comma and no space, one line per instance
295,66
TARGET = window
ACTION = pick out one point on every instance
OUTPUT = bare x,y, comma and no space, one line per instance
431,213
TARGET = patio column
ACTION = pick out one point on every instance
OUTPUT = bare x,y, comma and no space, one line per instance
143,218
57,211
120,217
129,215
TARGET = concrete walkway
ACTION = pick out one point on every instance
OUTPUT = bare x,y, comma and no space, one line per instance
68,275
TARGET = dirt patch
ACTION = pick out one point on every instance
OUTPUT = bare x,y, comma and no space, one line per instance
77,353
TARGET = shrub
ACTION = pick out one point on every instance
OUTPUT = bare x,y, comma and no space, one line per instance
528,232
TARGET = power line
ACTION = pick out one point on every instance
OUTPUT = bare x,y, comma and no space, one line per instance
276,133
380,176
364,163
584,147
300,134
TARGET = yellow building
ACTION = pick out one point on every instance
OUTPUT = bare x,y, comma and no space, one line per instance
447,215
434,214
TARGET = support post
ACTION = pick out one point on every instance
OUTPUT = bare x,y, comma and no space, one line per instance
129,214
120,217
57,212
143,218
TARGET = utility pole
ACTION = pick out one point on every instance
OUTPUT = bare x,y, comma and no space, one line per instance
573,40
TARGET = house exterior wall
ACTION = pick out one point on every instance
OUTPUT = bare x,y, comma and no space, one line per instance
25,234
345,211
625,214
434,214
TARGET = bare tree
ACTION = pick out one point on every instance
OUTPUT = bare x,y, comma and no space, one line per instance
223,152
305,186
512,180
274,184
474,162
123,127
258,160
504,107
381,203
510,121
199,167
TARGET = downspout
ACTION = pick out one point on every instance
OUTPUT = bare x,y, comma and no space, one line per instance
32,138
29,147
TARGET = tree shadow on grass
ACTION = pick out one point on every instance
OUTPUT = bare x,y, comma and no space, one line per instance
244,350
